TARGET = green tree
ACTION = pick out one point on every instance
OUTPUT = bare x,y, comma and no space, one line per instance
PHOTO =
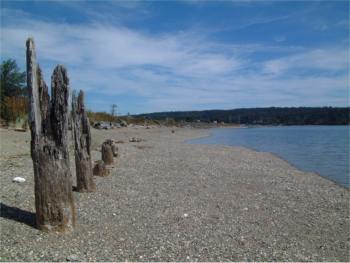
12,85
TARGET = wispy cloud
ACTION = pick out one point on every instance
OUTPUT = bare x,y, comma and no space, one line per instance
279,38
344,23
329,60
181,70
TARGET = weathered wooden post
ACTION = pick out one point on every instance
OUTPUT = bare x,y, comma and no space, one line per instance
107,154
100,169
82,143
109,150
54,201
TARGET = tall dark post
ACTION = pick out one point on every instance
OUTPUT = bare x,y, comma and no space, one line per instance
48,122
82,143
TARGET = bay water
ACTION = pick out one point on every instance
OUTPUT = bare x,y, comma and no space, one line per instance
320,149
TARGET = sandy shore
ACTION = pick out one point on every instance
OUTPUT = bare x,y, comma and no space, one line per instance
170,201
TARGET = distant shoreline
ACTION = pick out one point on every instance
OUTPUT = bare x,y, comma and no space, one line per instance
261,116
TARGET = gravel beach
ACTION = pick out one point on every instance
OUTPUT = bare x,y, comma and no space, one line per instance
166,200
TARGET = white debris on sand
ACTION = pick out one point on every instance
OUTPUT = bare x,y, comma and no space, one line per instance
72,258
18,179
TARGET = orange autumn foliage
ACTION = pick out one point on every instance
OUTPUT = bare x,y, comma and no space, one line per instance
16,107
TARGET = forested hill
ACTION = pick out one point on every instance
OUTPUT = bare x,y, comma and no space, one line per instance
263,116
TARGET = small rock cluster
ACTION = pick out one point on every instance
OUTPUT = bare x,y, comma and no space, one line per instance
135,139
104,125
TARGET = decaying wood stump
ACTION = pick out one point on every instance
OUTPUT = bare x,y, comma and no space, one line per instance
100,169
109,150
82,143
54,201
114,149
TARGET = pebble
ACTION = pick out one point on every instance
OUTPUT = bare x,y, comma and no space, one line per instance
72,258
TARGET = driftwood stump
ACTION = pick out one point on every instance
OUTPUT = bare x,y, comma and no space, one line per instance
114,149
109,150
100,169
54,201
82,143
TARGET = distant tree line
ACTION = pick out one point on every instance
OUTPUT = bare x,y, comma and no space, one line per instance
262,116
14,101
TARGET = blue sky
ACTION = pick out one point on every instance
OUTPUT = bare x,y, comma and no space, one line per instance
188,55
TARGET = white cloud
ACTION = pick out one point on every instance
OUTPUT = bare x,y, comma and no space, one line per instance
331,59
179,71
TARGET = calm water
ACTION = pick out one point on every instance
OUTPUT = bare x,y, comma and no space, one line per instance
320,149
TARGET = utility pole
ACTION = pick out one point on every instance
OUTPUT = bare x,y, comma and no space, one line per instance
114,110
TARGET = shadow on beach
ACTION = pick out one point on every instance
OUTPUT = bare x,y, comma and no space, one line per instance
18,215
